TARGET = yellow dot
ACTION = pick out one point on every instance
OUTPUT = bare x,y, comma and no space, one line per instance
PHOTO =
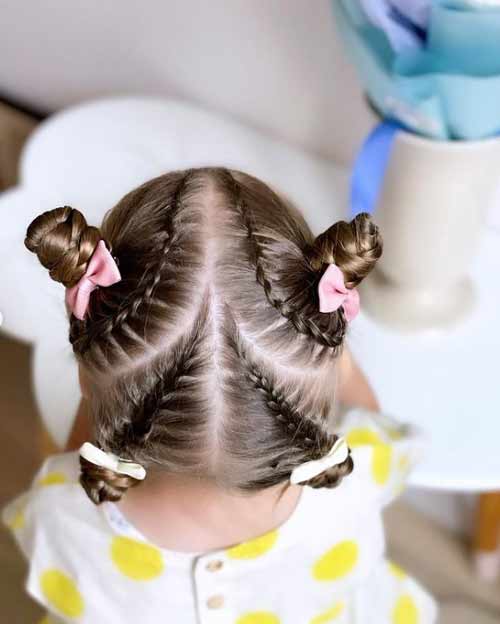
329,615
17,520
253,548
363,437
337,562
258,617
137,560
381,463
53,478
396,571
382,452
62,592
405,611
46,620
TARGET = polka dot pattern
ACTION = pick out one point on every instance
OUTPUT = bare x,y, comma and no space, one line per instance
136,560
330,615
62,593
316,575
381,463
405,611
382,452
253,548
53,478
259,617
337,562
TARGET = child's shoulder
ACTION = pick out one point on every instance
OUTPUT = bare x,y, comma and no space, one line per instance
53,500
384,452
59,469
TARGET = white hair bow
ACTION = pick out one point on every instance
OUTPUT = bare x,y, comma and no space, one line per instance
337,455
111,461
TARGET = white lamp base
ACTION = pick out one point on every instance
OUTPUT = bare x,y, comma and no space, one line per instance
412,310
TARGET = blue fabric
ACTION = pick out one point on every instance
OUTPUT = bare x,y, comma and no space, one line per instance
401,32
459,42
369,168
447,89
416,11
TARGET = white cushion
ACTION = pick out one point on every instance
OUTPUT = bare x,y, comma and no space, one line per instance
88,157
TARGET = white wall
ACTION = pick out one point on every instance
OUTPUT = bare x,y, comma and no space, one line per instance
276,64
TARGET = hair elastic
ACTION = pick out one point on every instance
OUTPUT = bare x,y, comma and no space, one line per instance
97,456
337,455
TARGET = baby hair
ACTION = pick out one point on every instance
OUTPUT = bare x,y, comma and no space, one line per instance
210,356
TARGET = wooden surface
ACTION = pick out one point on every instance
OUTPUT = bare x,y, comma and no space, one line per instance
14,129
20,428
21,431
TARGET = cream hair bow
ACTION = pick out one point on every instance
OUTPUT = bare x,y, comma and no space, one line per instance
337,455
111,461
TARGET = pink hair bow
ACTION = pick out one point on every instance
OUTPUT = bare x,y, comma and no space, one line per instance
333,293
101,271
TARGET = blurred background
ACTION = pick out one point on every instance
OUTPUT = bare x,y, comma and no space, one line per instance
279,83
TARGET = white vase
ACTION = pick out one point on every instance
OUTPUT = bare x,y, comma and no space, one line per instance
431,211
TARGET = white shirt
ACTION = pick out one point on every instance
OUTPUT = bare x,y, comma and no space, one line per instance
325,563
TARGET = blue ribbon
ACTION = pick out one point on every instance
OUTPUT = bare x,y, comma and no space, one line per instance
369,167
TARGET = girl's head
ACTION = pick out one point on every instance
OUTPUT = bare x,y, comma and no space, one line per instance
210,356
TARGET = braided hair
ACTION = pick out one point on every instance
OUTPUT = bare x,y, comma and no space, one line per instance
209,357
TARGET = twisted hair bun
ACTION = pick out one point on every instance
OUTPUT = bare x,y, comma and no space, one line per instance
102,484
353,246
63,242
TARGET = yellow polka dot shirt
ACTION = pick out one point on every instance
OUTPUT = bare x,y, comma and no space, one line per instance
324,564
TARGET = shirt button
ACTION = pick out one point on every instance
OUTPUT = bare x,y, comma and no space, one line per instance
214,566
215,602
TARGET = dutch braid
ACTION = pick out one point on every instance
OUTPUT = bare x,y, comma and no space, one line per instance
149,280
302,323
168,381
143,293
310,436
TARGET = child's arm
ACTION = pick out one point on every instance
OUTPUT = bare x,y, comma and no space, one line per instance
353,386
80,432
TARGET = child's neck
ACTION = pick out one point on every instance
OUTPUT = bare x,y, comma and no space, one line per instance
185,514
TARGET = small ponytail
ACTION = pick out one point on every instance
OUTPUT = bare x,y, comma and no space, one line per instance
331,477
102,484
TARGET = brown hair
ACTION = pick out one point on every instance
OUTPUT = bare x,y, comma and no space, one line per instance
210,356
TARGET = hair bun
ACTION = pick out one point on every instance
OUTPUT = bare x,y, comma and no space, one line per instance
353,246
63,243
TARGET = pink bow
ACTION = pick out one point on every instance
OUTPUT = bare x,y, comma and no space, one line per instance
333,293
101,271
